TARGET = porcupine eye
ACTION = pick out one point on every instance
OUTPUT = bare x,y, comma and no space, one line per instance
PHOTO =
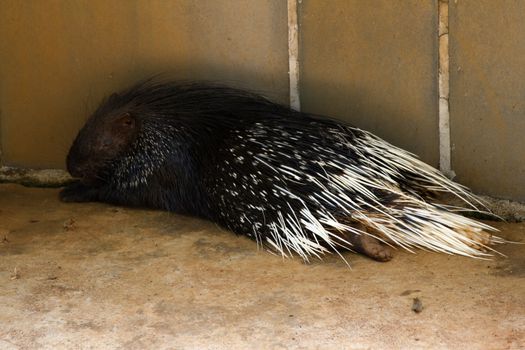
127,121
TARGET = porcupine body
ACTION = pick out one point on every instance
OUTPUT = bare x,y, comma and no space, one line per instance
294,182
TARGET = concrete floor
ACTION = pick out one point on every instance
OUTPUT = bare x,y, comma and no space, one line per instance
97,276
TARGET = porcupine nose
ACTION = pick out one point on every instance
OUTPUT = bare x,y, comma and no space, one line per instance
75,167
76,170
84,173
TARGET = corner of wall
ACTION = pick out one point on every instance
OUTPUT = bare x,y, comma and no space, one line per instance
31,177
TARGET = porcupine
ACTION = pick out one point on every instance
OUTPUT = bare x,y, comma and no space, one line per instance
297,183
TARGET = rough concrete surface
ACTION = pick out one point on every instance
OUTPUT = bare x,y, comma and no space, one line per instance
81,276
35,177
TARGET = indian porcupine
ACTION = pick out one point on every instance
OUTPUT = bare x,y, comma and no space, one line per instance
292,181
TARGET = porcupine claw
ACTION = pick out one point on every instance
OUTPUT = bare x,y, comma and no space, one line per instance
77,192
369,246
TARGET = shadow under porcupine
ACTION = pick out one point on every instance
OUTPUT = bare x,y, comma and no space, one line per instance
294,182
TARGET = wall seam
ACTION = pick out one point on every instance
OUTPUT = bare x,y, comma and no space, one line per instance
293,54
1,153
445,149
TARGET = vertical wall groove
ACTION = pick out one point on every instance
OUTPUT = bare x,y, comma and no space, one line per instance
443,81
293,54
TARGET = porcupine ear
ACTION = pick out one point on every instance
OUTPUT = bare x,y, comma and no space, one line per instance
113,97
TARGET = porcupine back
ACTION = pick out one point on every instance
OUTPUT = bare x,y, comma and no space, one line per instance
292,181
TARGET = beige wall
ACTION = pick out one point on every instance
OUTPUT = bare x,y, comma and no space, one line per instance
487,95
59,58
371,63
374,64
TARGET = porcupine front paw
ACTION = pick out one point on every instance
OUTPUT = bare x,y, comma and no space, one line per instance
76,192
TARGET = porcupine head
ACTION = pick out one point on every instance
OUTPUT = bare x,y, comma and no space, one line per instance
130,153
103,159
104,137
